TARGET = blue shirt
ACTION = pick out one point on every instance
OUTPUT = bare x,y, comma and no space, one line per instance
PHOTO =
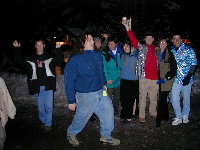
83,73
185,58
118,50
128,67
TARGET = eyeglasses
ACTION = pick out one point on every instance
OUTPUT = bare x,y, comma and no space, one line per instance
163,42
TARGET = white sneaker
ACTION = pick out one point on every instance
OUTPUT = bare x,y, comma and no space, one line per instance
185,119
176,121
73,140
109,140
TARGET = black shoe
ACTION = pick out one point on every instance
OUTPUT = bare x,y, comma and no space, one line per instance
42,126
165,118
135,117
126,121
47,128
157,124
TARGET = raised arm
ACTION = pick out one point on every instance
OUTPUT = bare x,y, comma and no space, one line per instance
17,53
58,55
131,35
105,42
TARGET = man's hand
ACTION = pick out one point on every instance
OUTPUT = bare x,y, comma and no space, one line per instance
127,24
109,82
16,43
186,80
105,35
58,45
160,81
72,107
105,88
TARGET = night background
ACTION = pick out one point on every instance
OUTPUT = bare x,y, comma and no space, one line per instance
26,20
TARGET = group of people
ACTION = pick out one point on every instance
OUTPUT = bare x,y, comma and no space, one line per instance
163,70
98,80
107,78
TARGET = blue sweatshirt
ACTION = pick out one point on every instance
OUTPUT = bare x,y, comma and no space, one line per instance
128,67
83,73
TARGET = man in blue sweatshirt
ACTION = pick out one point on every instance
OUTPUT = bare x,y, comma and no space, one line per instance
84,80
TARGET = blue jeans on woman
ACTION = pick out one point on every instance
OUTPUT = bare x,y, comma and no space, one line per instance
86,105
175,99
44,100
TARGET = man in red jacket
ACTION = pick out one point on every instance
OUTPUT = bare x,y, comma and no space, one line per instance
148,72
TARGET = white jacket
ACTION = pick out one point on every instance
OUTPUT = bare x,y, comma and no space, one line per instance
7,107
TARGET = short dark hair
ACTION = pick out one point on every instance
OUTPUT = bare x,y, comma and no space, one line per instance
149,33
127,42
176,34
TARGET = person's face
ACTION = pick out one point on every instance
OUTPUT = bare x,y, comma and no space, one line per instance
112,45
176,40
40,47
89,43
126,48
163,44
149,40
97,44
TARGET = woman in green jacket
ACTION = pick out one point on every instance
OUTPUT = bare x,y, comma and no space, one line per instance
111,61
167,71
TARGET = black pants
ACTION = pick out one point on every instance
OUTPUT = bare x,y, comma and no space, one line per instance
129,92
114,94
162,108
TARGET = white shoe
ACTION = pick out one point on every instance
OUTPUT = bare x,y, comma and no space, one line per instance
109,140
73,140
185,119
176,121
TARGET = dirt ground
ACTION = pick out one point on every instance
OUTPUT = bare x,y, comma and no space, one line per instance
24,133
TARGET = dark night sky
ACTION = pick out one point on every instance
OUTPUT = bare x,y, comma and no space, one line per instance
27,19
23,18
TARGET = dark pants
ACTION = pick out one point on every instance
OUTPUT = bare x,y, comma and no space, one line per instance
129,92
162,108
114,94
2,136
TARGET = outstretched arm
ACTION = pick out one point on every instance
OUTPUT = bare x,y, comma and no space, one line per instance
131,35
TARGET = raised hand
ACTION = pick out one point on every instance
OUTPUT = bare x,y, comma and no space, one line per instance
16,43
58,44
105,35
127,24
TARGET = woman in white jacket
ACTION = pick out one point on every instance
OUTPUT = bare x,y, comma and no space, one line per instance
7,109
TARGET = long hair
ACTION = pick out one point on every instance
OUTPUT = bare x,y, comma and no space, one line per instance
78,46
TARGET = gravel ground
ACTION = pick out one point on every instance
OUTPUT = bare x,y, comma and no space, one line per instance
24,133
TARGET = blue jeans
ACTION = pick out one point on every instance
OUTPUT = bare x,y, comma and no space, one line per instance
44,100
86,105
175,99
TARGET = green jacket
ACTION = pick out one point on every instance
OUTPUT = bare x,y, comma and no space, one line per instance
112,70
